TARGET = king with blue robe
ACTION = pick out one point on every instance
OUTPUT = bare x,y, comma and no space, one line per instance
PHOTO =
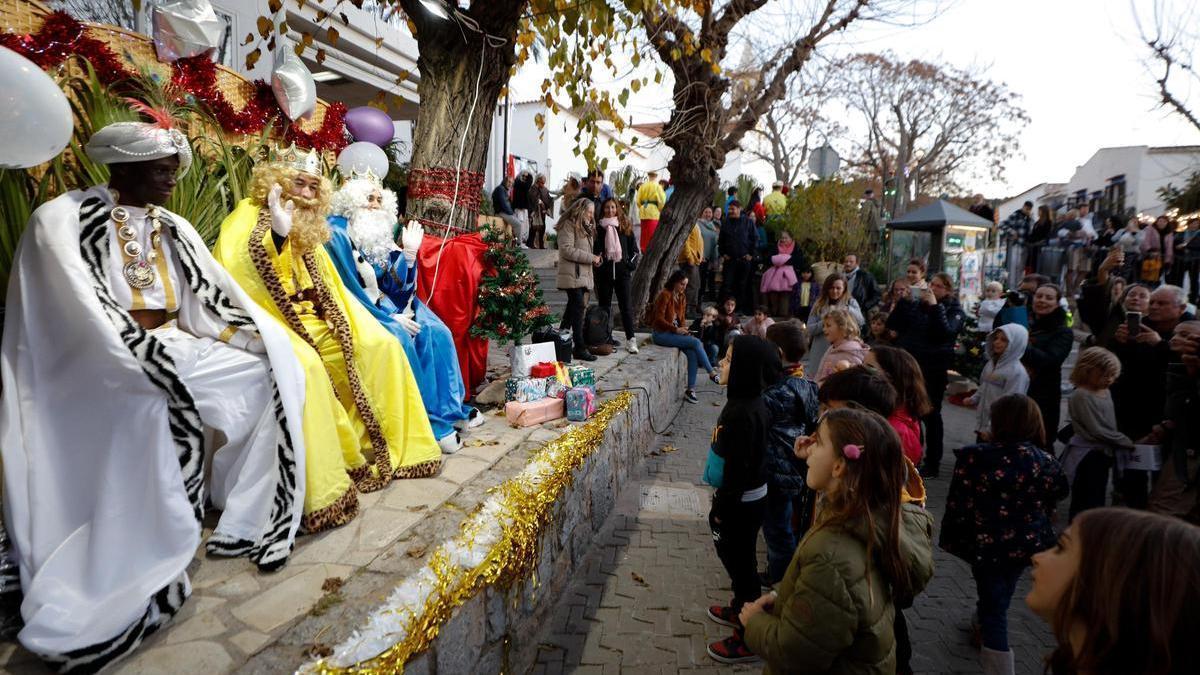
383,277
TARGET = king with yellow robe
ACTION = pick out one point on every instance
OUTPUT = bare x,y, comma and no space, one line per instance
364,420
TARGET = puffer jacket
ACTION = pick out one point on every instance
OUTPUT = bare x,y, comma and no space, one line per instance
793,407
927,331
834,611
575,258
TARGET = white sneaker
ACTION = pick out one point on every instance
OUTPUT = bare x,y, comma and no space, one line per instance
451,443
474,419
631,346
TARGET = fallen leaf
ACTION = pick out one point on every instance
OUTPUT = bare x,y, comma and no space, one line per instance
319,651
332,584
479,443
415,552
418,507
638,578
667,449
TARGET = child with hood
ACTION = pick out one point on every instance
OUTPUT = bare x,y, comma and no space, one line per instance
846,349
1002,375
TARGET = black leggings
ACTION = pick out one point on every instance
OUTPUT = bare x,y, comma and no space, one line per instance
736,540
605,285
573,315
1091,481
936,381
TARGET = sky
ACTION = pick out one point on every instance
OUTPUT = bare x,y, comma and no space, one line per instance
1078,65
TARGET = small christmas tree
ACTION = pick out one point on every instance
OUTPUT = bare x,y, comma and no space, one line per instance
510,302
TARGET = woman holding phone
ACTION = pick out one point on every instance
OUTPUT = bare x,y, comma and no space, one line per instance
926,325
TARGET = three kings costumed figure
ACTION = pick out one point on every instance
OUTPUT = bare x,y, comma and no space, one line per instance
364,423
125,347
383,278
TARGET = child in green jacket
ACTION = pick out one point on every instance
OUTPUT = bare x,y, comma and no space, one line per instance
865,553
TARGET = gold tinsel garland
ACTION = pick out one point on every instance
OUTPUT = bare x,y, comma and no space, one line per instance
525,503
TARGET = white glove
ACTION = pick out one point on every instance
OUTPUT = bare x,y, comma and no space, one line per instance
410,240
408,323
281,214
370,283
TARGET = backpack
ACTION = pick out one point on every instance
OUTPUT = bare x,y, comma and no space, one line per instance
597,326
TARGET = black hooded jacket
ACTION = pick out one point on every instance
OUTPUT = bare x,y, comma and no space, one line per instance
741,434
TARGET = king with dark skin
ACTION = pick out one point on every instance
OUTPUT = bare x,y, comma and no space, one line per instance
144,183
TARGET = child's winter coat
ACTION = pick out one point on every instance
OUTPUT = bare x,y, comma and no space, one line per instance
988,309
781,278
851,350
1004,376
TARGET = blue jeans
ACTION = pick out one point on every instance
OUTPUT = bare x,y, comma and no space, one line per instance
691,348
711,349
777,531
995,586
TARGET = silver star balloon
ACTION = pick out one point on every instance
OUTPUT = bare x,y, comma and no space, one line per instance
293,84
184,28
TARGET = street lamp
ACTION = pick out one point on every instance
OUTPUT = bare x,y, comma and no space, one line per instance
436,8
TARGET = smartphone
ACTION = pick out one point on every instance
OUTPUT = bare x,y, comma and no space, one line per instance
915,292
1133,322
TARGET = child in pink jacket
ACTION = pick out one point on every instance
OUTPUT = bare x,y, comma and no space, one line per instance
846,349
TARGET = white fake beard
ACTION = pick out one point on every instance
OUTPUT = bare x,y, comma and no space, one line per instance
371,232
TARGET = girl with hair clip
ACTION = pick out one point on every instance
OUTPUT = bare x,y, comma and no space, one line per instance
865,553
1121,591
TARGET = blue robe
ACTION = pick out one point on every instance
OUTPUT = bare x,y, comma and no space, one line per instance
431,354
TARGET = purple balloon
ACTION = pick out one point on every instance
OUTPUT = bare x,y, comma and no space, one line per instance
371,125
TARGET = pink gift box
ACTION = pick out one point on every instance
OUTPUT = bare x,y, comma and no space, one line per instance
534,412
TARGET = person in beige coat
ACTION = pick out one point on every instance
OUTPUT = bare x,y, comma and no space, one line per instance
576,232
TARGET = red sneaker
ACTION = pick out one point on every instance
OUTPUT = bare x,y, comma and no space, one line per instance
732,650
726,616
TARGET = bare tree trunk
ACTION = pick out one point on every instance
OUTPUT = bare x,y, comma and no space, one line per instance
694,178
461,80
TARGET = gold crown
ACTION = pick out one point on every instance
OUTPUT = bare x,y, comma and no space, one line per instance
294,158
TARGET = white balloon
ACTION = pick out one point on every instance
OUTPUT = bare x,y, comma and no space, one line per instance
35,118
361,156
293,85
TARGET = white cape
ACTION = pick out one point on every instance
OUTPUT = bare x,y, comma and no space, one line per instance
102,444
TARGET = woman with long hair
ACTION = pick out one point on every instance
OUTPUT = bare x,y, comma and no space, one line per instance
576,230
1050,342
912,403
616,244
875,551
668,321
834,295
1121,591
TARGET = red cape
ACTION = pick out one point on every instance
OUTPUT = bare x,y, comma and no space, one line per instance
455,295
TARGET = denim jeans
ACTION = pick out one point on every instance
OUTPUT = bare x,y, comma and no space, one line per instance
691,348
995,586
777,531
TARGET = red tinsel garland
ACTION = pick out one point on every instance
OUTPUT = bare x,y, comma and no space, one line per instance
61,36
439,183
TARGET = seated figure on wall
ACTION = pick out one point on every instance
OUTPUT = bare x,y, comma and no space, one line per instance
383,277
364,423
126,345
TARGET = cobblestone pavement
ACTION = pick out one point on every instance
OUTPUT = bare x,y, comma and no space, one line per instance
640,605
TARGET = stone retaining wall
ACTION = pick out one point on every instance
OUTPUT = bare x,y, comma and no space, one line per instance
495,631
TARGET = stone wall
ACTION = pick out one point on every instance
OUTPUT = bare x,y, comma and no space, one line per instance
495,631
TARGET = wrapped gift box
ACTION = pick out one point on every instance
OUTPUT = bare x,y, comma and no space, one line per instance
536,412
543,369
582,376
526,389
525,357
581,403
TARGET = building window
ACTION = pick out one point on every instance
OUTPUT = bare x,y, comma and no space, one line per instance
225,52
1114,195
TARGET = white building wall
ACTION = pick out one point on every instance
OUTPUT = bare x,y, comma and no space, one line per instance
1160,167
1093,174
1033,194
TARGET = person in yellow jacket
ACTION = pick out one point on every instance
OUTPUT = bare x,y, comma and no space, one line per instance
364,420
650,202
689,261
776,202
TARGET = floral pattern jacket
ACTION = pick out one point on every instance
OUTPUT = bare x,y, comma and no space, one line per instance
1000,507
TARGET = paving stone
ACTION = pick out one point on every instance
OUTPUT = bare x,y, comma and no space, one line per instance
249,641
202,658
196,621
460,469
288,600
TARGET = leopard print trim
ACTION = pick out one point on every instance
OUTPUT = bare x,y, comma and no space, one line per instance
341,332
340,512
365,480
423,470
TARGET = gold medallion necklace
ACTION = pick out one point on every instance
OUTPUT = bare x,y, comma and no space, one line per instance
139,263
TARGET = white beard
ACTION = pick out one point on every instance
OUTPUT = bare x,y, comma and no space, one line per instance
371,232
